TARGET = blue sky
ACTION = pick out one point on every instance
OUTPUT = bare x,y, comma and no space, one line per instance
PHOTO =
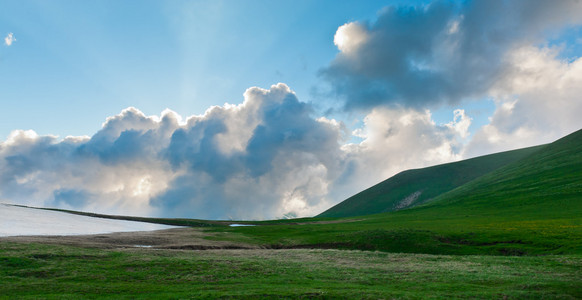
74,62
368,89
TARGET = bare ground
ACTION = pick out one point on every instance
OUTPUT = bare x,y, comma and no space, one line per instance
177,238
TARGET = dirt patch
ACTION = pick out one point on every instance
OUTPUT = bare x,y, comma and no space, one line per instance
310,246
326,222
176,238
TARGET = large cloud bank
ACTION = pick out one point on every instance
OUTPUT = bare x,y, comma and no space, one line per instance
265,158
273,156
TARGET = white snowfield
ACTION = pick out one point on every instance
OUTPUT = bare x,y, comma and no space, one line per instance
15,221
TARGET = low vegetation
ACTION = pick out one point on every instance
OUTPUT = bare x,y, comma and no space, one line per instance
36,271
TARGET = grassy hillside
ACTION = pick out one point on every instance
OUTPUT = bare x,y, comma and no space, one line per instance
549,180
414,187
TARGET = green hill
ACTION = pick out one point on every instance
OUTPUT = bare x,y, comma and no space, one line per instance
413,187
529,206
548,182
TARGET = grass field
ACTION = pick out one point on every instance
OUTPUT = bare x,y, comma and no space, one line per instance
36,271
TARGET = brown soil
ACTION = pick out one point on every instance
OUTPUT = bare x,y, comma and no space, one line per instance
329,222
177,238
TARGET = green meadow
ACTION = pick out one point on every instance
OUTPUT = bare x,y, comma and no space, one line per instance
35,271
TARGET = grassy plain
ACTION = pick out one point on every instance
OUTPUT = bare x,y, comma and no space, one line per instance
37,271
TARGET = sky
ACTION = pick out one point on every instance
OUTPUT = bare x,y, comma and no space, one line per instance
269,109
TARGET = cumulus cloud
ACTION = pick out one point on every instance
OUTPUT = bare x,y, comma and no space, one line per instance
460,123
9,39
100,173
537,102
264,158
349,37
395,140
438,53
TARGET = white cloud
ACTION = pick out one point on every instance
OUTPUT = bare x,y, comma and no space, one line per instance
98,174
460,123
268,156
538,101
264,158
349,37
443,53
399,139
9,39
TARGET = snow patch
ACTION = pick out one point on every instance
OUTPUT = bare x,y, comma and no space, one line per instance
16,220
406,202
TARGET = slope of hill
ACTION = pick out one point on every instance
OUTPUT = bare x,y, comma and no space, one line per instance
531,206
548,182
413,187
